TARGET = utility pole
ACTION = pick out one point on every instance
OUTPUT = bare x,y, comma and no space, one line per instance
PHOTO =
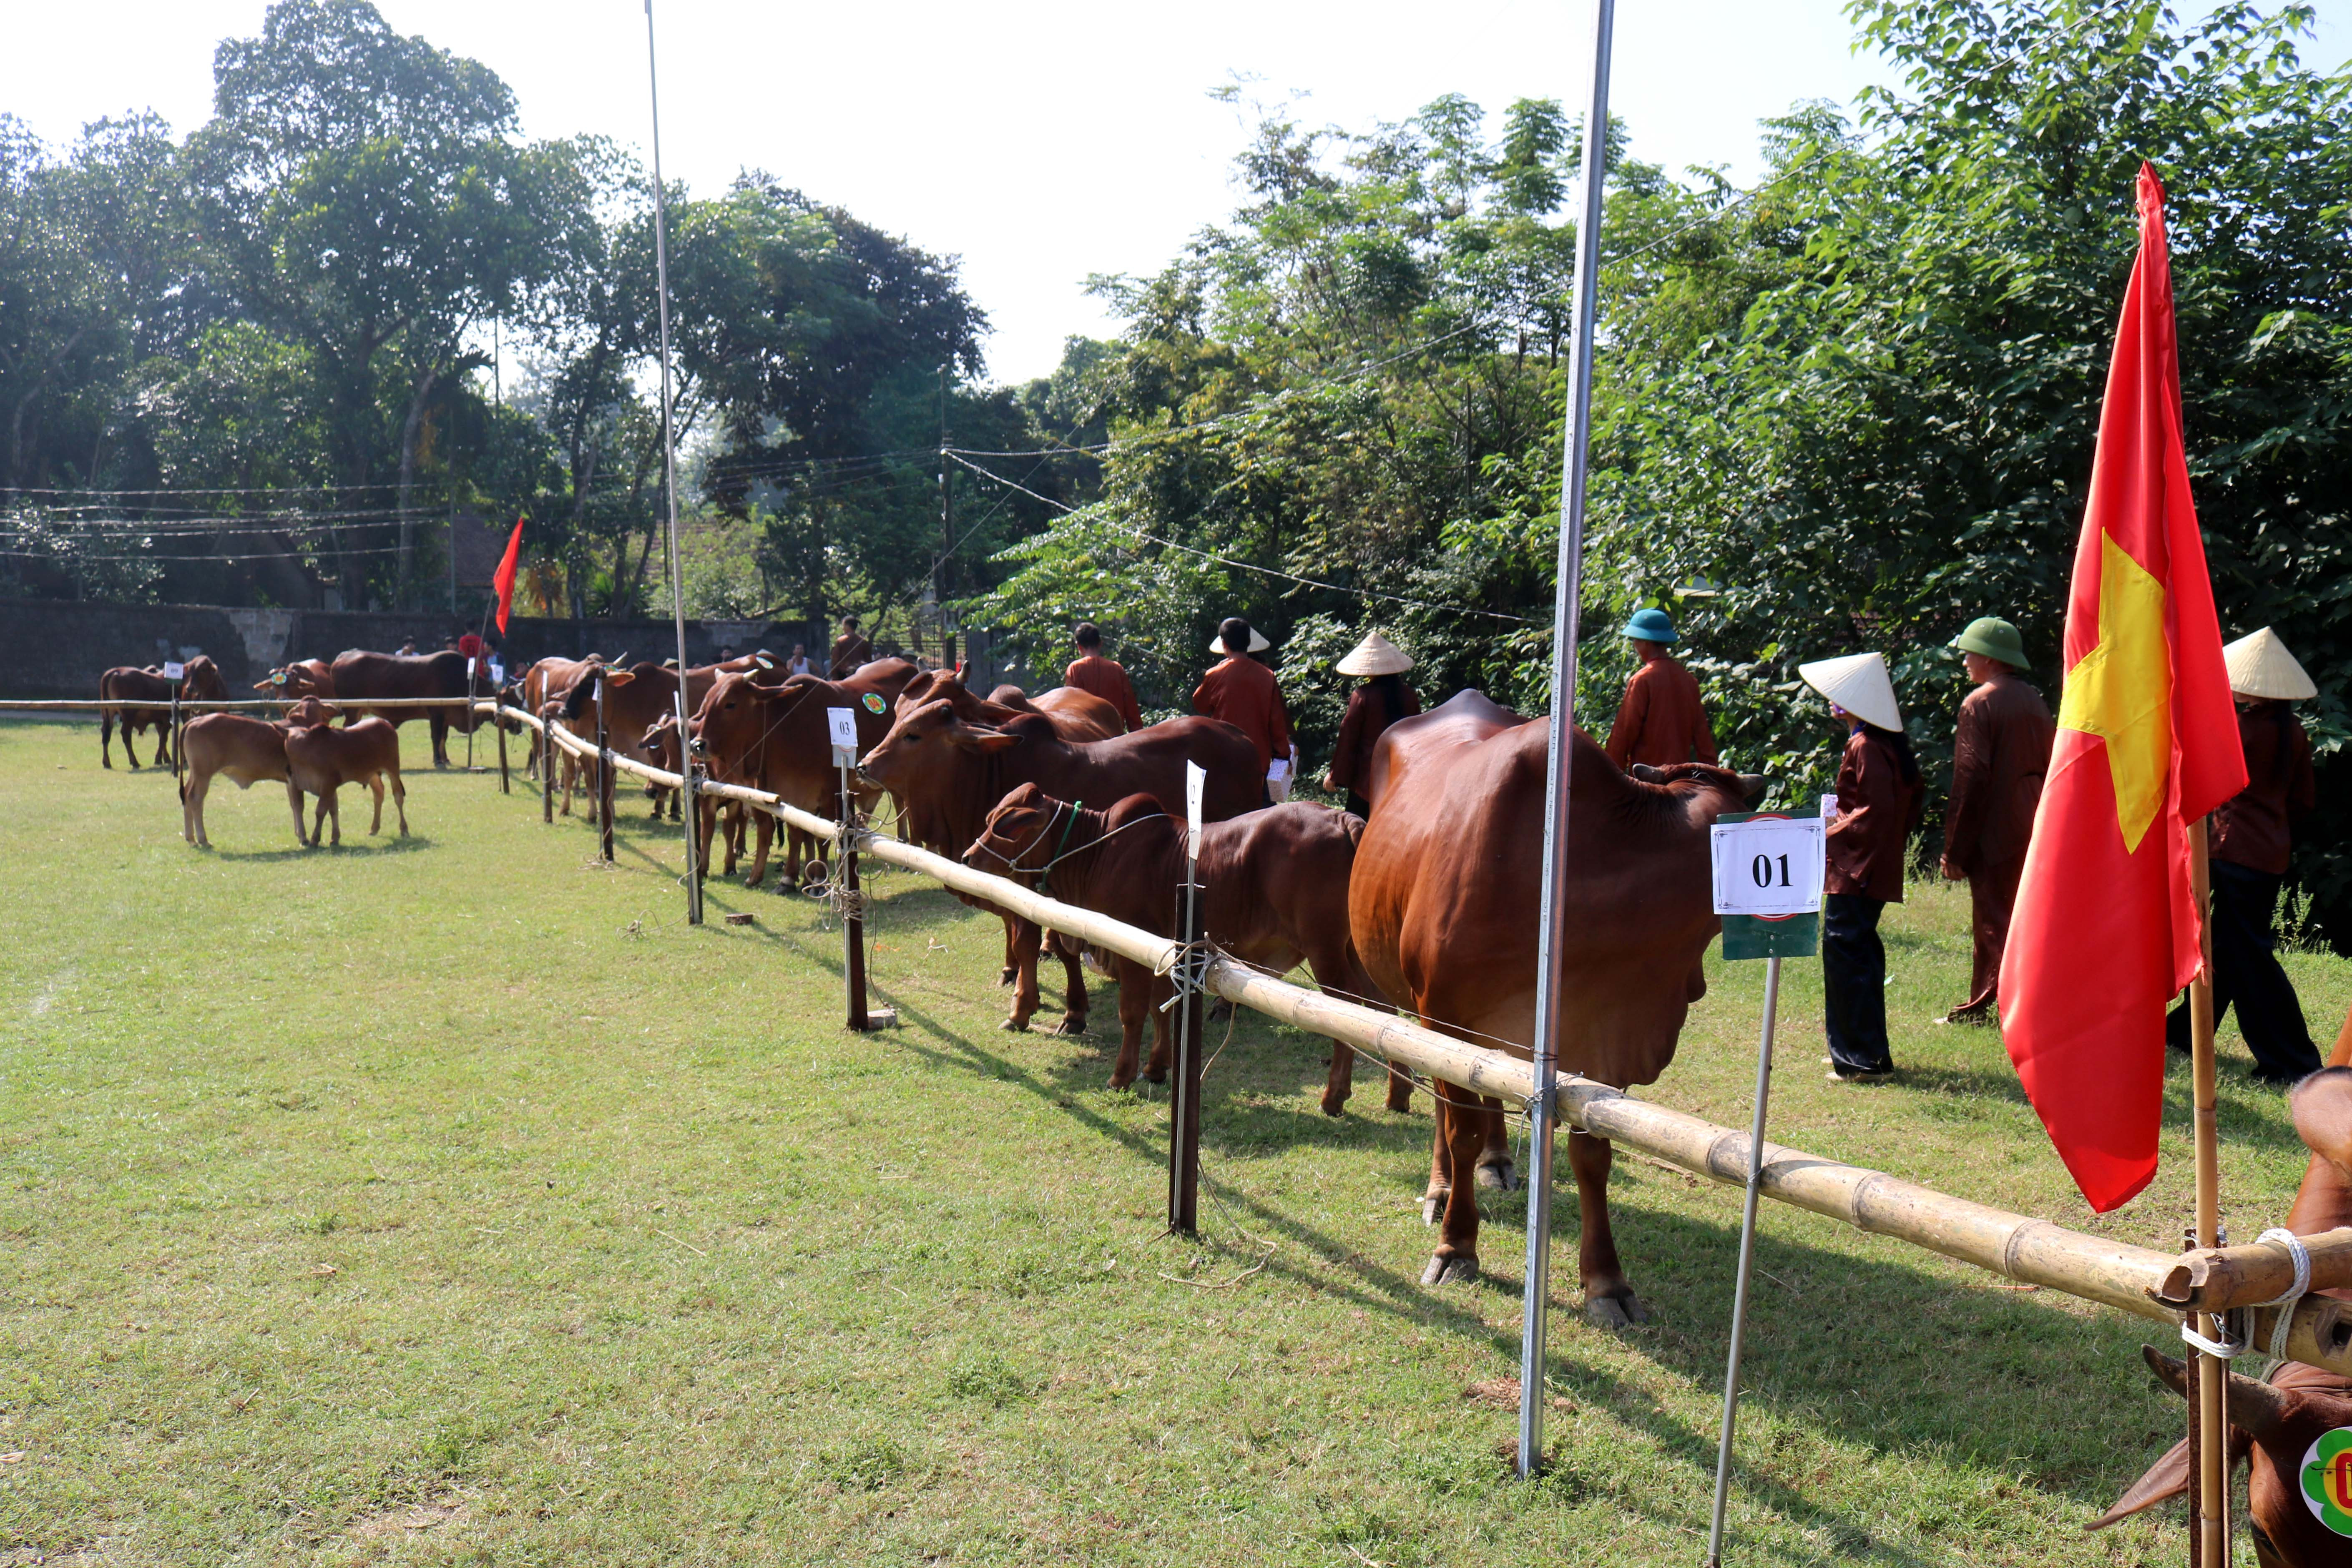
947,530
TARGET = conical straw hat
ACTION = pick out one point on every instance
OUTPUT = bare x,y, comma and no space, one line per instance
1859,684
1376,656
1257,644
2260,666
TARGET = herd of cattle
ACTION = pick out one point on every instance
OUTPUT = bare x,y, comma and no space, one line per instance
1430,904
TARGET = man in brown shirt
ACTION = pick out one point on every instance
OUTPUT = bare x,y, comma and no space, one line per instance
1661,721
850,649
2000,754
1244,693
2251,835
1091,672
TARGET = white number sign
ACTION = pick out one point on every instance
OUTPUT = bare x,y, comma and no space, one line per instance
842,724
1767,866
173,669
1196,785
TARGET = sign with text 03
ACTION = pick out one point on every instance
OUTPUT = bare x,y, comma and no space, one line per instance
842,723
1768,883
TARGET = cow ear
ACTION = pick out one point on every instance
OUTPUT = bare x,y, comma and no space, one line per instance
2167,1478
1646,774
973,738
1752,786
618,676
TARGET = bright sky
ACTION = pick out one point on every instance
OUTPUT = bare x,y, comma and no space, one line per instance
1041,141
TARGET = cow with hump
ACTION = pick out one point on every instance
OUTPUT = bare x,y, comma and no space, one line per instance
2277,1422
1444,907
776,738
137,698
1277,897
949,773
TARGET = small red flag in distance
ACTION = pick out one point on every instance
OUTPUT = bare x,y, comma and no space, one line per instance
503,580
2107,929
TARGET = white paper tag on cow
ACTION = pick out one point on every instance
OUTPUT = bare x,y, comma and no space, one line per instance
1196,785
174,670
1767,866
596,691
842,722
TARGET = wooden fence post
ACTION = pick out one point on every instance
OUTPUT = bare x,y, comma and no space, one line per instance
1184,1083
547,749
171,732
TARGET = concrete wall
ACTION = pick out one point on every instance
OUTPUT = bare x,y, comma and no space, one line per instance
51,649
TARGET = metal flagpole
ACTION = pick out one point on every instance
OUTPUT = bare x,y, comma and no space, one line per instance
688,810
1747,1261
1549,960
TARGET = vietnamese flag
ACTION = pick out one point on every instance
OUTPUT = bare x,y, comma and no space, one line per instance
503,578
2107,929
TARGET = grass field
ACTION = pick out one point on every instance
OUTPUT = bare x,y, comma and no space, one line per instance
451,1201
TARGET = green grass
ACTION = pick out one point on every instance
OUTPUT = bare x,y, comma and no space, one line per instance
452,1201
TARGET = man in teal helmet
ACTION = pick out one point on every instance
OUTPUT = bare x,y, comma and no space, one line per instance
1661,721
1999,752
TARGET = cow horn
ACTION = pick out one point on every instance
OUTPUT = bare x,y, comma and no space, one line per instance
2255,1407
1646,774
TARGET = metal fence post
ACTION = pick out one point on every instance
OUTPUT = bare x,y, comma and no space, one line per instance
1184,1105
603,777
547,750
172,733
504,787
853,921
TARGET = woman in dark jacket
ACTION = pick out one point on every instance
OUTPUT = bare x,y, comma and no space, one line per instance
1372,707
1879,802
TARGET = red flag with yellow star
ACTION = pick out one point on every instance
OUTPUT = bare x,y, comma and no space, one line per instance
2105,931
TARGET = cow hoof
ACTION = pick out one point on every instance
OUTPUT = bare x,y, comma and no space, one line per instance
1007,975
1432,1207
1459,1269
1017,1027
1616,1312
1400,1101
1074,1029
1334,1106
1496,1178
1156,1079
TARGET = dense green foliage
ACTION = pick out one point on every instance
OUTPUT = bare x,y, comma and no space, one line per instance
1863,398
253,365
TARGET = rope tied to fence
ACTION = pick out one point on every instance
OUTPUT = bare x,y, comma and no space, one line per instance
2294,1293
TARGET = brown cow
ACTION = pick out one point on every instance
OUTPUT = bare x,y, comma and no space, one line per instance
2275,1422
321,760
1076,715
1277,896
305,677
138,698
359,675
542,681
947,774
776,738
245,748
1444,909
660,744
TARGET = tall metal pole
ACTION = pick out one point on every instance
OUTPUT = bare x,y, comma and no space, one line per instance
1549,956
1747,1262
686,808
947,532
2211,1479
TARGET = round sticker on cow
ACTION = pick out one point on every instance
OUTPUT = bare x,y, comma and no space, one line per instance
873,703
2328,1479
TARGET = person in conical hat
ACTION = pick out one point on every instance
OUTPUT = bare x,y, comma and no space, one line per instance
1879,799
1380,701
2000,751
2250,838
1244,694
1660,720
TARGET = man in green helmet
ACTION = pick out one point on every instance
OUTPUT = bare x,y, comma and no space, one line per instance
1660,720
1998,756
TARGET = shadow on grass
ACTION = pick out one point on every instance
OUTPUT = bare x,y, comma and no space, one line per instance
392,844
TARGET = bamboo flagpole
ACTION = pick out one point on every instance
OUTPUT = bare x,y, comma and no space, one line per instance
688,815
1550,953
2210,1416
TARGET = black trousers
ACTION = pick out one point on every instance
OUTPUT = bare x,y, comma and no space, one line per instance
2246,974
1359,805
1853,982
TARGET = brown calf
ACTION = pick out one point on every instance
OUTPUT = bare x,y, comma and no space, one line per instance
321,760
1277,895
245,748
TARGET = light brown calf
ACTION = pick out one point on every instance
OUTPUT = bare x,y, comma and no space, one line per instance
246,749
320,761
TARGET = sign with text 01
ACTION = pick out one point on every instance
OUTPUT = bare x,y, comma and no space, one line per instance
842,724
1768,883
174,670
